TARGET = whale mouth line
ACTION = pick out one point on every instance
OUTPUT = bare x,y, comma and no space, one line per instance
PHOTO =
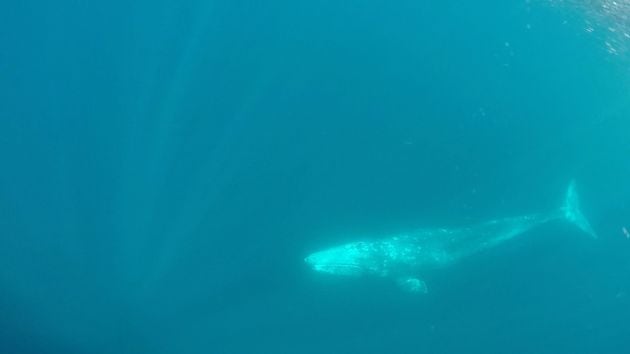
338,269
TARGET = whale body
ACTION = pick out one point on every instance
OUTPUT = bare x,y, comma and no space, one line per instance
405,257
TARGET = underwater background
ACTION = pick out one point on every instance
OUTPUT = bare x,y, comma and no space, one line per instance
166,166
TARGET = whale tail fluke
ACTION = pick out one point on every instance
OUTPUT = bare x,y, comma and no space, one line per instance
572,213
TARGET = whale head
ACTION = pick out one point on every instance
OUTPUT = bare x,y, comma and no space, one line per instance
350,260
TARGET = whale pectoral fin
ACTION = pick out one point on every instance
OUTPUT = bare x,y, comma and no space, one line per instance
412,285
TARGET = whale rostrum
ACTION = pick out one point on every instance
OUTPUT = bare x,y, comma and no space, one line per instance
406,257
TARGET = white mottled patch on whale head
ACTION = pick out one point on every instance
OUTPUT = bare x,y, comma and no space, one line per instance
346,260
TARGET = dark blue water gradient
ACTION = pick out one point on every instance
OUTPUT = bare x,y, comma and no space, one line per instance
166,167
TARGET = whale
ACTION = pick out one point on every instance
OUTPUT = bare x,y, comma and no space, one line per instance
407,257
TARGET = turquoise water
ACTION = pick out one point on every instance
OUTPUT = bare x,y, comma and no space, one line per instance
166,166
